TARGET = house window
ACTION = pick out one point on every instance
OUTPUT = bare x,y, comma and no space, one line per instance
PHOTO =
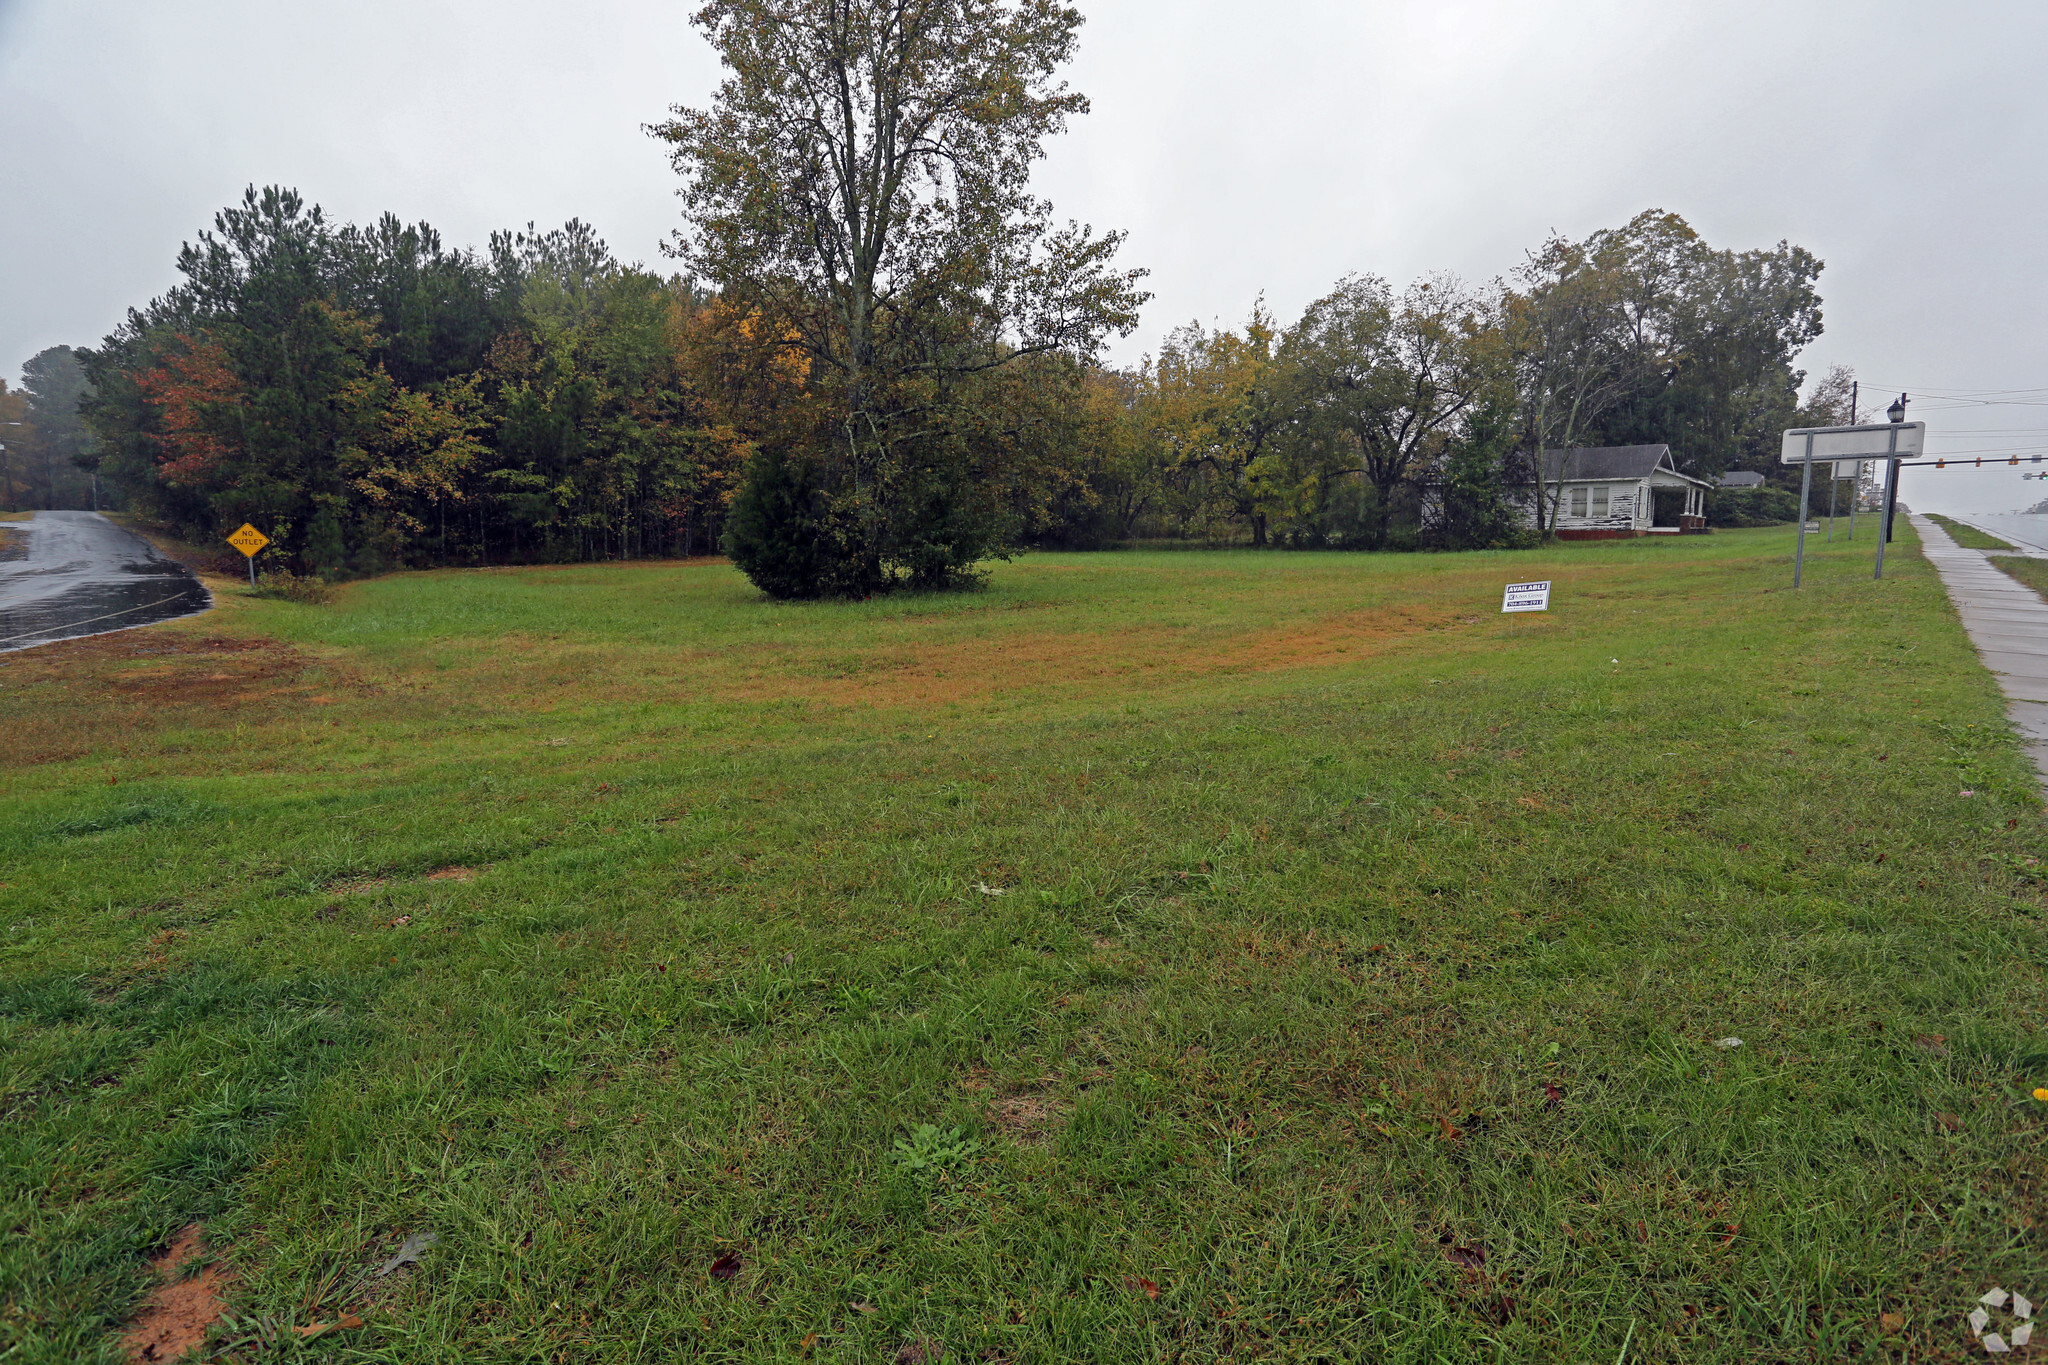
1600,501
1578,502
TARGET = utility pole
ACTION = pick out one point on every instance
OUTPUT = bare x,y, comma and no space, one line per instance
1897,413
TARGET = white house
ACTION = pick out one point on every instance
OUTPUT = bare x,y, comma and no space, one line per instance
1616,492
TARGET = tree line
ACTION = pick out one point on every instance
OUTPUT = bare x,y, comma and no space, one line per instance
880,363
1324,432
370,398
44,444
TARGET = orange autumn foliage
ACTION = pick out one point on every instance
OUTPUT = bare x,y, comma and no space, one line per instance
195,393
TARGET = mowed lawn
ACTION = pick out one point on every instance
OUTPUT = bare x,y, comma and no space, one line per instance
1182,957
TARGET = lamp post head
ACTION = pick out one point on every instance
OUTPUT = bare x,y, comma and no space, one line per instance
1897,411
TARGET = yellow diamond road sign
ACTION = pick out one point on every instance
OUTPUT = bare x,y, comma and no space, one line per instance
248,540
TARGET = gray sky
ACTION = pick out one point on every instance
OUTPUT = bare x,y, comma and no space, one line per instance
1248,148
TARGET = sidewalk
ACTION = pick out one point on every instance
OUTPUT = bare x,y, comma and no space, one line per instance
2007,621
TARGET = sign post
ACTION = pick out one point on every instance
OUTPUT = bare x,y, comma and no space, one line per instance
1887,441
249,540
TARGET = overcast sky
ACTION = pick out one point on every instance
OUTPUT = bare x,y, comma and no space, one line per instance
1250,147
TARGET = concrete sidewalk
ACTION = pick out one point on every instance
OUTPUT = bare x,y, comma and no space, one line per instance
2007,621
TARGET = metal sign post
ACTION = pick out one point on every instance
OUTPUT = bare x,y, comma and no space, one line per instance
1805,489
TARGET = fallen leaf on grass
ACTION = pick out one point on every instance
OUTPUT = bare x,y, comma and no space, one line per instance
1729,1236
726,1266
860,1307
1471,1258
1931,1042
1139,1285
1449,1131
408,1252
401,921
808,1342
1890,1323
1552,1096
1953,1123
314,1329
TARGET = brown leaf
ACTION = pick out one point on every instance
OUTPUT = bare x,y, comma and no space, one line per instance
1552,1096
808,1342
1472,1258
1451,1132
1890,1323
726,1266
1729,1235
314,1329
1931,1042
1139,1285
1952,1122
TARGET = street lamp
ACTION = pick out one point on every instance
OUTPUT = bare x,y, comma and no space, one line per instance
1897,411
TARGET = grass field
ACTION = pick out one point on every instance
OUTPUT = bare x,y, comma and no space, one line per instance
1969,537
2032,572
1176,957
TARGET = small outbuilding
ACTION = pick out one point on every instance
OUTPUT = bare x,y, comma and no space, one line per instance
1618,492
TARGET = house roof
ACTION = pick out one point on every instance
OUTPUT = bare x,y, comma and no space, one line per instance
1606,462
1741,478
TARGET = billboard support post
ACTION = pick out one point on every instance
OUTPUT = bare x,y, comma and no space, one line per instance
1805,488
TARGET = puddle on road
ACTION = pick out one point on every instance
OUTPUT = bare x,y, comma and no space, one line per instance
142,595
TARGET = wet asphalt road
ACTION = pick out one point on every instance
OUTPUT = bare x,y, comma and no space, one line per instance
83,575
2029,531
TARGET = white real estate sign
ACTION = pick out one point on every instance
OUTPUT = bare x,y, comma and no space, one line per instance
1526,597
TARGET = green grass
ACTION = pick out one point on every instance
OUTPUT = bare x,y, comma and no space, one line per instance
1355,981
2032,572
1969,537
